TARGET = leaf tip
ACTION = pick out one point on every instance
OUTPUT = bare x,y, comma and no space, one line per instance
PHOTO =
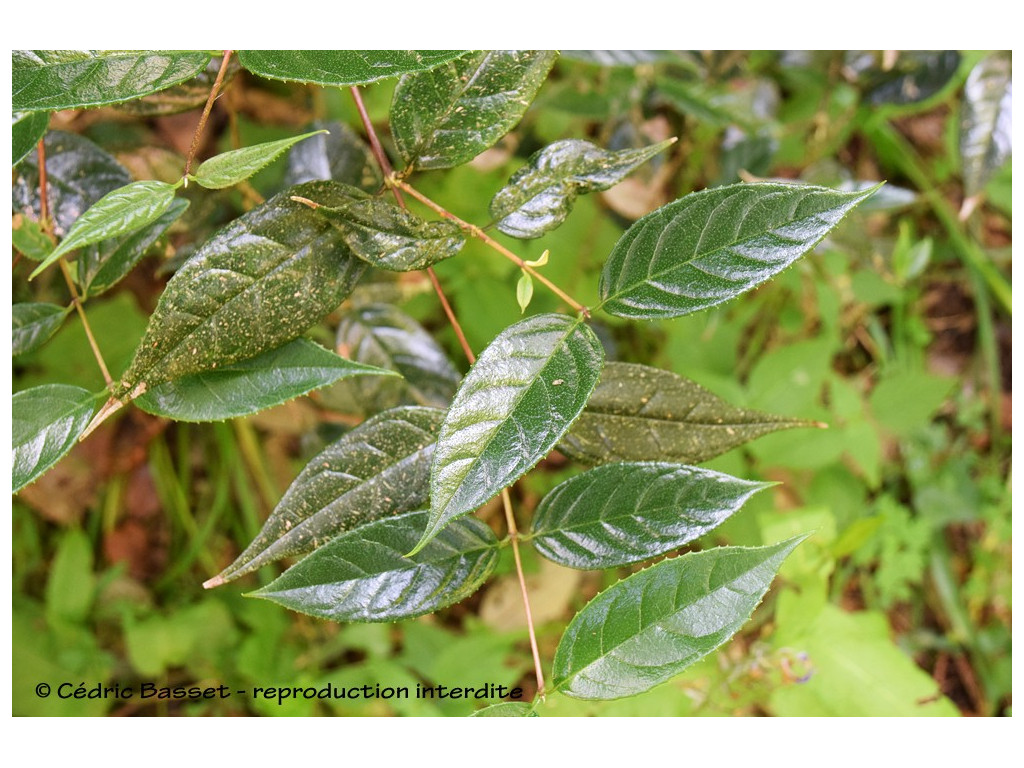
216,581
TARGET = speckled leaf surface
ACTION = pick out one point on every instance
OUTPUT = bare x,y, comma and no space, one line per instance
33,323
521,396
253,384
78,173
45,424
53,80
382,335
118,213
229,168
379,469
986,122
711,246
625,513
341,67
257,283
651,626
363,575
539,196
449,115
103,264
386,236
639,413
27,128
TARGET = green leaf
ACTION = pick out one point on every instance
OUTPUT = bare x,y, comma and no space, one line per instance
53,80
257,283
986,125
651,626
102,265
711,246
229,168
27,129
120,212
384,336
28,237
71,585
386,236
339,155
362,575
341,67
32,324
78,174
379,469
541,194
507,709
625,513
251,385
905,401
620,58
46,422
521,396
524,291
451,114
639,413
916,76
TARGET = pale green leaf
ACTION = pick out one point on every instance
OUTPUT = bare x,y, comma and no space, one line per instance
507,709
117,213
45,423
257,283
451,114
28,237
711,246
71,585
520,397
32,324
379,469
639,413
524,291
986,121
252,385
27,128
53,80
625,513
341,67
651,626
229,168
541,194
362,575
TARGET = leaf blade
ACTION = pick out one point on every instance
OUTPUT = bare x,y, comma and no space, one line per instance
362,575
33,323
26,130
620,514
711,246
650,626
45,422
986,127
341,68
520,397
229,168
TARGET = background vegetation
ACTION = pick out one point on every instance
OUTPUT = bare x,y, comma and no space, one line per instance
895,333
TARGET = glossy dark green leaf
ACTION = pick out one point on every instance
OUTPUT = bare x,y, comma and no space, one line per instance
915,76
625,513
27,128
339,155
363,575
121,212
184,97
451,114
257,283
651,626
341,67
639,413
389,237
32,324
379,469
78,174
711,246
45,424
229,168
986,122
102,265
384,336
28,237
52,80
541,194
252,385
507,709
521,396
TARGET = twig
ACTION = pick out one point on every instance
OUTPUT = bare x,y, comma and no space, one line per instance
513,535
206,113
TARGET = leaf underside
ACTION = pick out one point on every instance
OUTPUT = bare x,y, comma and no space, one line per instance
45,424
651,626
362,575
639,413
341,68
711,246
986,124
